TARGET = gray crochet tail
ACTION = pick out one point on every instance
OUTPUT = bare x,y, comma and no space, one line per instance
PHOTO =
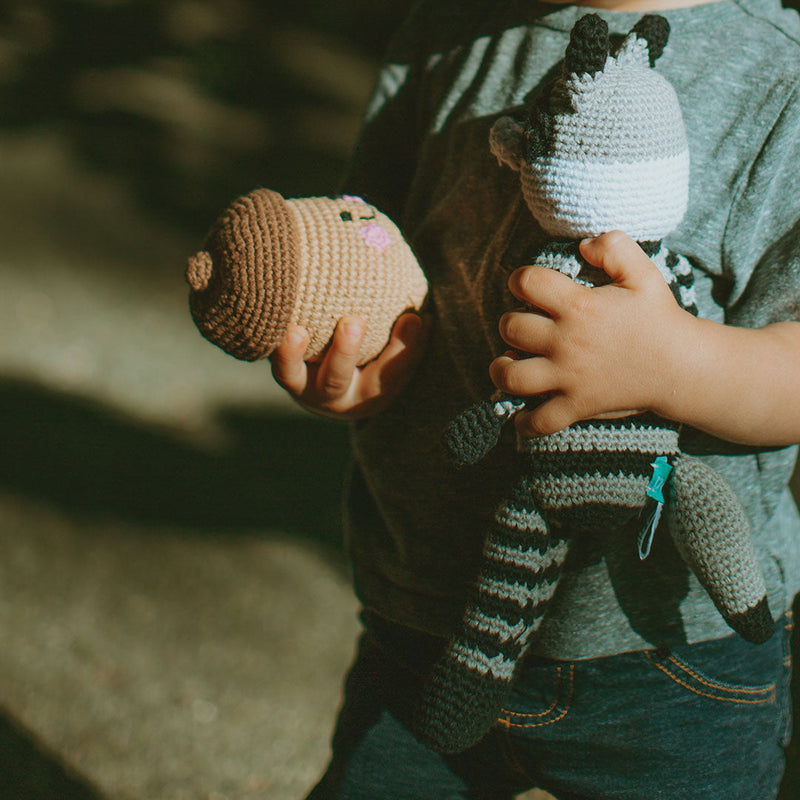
712,533
471,682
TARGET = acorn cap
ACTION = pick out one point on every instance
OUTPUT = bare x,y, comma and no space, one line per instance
244,284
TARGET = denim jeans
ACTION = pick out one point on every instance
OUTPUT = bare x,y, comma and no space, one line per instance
707,720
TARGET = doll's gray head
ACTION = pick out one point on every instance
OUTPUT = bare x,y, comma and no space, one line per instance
606,148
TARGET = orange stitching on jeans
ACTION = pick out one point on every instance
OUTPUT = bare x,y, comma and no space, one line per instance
768,699
789,627
770,687
507,723
541,713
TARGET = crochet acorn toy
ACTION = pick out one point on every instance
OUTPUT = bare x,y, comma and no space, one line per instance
269,262
606,149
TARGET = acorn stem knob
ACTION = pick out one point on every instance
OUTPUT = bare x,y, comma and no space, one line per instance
198,271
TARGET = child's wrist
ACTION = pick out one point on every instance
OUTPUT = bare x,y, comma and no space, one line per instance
682,367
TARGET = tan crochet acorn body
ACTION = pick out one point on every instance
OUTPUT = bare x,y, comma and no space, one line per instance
269,262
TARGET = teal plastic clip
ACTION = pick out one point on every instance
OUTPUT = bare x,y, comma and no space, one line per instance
661,472
650,515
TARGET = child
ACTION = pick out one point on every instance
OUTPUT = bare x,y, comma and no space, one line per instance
633,687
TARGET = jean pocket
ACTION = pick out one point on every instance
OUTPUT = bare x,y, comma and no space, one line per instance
547,704
692,678
731,670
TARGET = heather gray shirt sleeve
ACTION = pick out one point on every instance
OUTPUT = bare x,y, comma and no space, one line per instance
761,245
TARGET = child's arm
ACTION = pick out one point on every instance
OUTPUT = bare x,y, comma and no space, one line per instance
334,386
629,345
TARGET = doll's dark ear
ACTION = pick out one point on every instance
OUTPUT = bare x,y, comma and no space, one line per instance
538,133
588,46
654,29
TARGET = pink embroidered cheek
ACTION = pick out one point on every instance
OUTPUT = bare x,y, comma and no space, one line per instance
375,236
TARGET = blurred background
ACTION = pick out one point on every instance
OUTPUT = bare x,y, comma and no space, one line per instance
175,612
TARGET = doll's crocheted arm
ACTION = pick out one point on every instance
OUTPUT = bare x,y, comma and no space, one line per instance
477,429
523,560
712,533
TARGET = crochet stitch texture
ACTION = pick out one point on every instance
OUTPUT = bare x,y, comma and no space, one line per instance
605,150
269,262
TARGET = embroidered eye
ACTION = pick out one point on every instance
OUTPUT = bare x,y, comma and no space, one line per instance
346,216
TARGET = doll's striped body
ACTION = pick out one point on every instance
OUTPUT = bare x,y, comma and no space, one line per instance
603,147
593,476
565,257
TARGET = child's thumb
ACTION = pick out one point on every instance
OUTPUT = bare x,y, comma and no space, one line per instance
619,256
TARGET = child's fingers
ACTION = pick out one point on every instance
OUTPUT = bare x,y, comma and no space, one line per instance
402,352
407,335
527,331
335,374
288,365
619,256
524,377
545,289
555,414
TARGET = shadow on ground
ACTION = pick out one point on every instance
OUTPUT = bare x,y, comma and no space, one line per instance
264,473
31,773
267,471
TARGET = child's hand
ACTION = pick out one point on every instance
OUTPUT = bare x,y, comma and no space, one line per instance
599,351
335,386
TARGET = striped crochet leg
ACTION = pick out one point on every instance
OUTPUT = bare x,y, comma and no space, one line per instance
469,685
712,533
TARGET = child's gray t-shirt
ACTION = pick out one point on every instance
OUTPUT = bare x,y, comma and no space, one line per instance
415,524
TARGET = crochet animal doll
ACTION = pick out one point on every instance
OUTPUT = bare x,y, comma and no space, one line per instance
269,262
606,149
